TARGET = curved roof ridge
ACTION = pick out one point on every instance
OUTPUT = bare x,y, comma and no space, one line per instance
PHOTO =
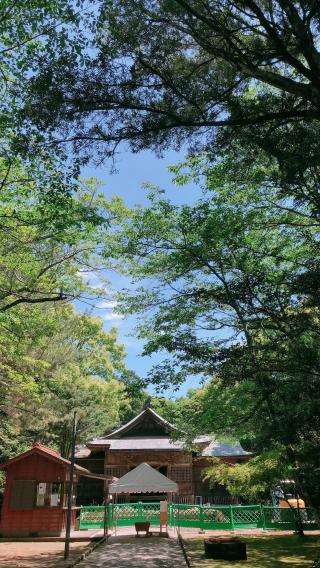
125,427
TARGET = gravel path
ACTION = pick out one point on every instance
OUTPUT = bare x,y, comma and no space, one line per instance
131,552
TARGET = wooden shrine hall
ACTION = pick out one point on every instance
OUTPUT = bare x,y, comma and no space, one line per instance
147,439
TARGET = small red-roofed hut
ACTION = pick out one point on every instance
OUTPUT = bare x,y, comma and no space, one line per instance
35,501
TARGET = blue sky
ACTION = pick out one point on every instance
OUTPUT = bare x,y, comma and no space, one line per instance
132,171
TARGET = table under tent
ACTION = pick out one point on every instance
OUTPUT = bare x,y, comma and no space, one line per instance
143,479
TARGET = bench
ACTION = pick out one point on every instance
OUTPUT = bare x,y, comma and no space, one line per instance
142,527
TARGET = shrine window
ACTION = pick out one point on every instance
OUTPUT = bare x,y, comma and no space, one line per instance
181,474
48,494
23,494
116,471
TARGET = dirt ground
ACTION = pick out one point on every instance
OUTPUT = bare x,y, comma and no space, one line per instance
37,554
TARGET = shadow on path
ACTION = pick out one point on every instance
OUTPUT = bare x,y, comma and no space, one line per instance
131,552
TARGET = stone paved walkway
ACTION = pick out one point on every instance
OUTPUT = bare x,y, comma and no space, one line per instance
131,552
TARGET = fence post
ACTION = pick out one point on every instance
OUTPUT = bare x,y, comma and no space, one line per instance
264,518
109,515
201,519
231,518
80,517
261,517
139,511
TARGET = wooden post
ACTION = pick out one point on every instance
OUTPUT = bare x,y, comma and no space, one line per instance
70,488
106,517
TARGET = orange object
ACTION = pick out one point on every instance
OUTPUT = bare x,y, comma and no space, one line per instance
163,519
292,503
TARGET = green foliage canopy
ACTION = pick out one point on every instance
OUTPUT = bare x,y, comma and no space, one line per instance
34,36
52,359
53,362
223,286
204,73
49,235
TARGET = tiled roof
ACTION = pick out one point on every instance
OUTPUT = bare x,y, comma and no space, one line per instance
202,439
82,452
138,443
213,449
219,449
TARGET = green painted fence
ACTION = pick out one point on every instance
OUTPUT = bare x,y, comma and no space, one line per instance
126,514
286,518
122,514
217,518
201,517
93,517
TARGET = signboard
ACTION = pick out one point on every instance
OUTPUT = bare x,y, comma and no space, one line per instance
163,506
163,514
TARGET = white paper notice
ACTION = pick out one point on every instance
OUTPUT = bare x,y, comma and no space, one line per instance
42,488
40,500
54,500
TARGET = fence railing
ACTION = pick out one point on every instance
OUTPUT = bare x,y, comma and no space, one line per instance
93,517
201,517
217,517
283,518
126,514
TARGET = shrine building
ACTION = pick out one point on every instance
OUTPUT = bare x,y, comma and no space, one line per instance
147,438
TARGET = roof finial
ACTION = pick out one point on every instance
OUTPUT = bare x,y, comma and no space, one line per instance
147,403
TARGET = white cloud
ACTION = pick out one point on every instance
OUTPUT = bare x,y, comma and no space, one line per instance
112,316
91,278
88,276
87,273
102,286
108,304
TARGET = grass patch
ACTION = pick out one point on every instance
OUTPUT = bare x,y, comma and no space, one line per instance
263,552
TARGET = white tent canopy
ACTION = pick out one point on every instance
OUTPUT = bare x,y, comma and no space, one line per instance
143,479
